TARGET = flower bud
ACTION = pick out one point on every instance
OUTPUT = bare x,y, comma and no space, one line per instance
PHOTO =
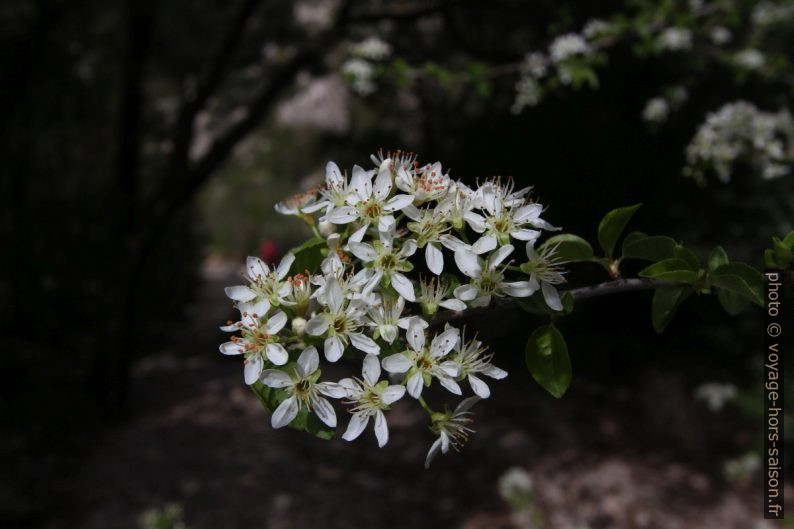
299,326
326,228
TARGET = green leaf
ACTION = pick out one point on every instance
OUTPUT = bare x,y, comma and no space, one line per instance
547,359
308,256
570,247
612,225
717,258
740,279
633,237
688,256
732,303
672,270
770,259
665,303
788,240
653,248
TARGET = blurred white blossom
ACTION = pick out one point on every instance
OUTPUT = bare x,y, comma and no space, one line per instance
675,39
656,110
716,394
750,59
741,132
568,45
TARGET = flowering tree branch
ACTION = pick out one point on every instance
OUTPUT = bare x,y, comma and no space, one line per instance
606,288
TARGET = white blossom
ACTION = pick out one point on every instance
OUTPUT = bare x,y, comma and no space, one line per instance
452,429
304,390
675,39
370,397
487,280
568,45
264,283
421,364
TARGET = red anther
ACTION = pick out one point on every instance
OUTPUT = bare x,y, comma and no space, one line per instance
229,322
245,314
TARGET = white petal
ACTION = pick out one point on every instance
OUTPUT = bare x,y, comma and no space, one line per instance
277,354
276,322
275,378
525,235
475,221
466,404
333,348
412,212
392,394
466,292
317,325
333,390
468,263
415,385
333,294
450,385
333,176
479,387
364,343
397,363
382,186
530,211
358,235
240,293
551,296
253,368
494,372
484,244
309,361
324,411
231,348
405,323
398,202
443,343
518,289
451,242
416,336
381,429
285,413
371,369
386,223
341,215
434,259
408,249
361,182
453,304
403,286
356,425
256,267
496,258
433,452
363,251
388,332
283,266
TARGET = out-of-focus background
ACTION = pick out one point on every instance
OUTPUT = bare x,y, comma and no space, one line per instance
144,145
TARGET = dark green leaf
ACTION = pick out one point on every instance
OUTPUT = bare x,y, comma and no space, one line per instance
788,240
612,225
653,248
570,247
688,256
740,279
672,270
717,258
547,359
732,303
664,304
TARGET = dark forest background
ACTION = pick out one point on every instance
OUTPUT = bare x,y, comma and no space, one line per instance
142,140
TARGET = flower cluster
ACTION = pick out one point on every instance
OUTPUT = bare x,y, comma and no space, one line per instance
740,132
394,244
